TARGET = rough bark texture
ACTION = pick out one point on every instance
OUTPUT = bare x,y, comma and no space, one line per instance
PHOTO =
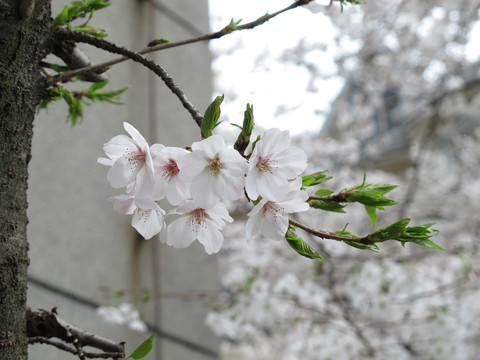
25,37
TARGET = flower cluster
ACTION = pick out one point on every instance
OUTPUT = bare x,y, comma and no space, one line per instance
196,182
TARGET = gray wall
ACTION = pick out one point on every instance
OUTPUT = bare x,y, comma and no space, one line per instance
80,249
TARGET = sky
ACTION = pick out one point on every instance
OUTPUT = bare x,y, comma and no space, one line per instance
258,67
248,69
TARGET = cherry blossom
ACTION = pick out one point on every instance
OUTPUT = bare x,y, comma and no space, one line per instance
124,314
167,173
148,217
270,218
272,163
200,224
215,172
129,158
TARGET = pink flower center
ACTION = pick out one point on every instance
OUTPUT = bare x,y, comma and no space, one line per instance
214,166
266,164
170,170
197,218
135,158
273,209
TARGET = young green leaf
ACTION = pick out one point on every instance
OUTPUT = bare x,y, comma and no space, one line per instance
327,205
315,178
300,246
79,9
372,214
231,27
349,234
323,192
399,231
246,130
210,119
143,350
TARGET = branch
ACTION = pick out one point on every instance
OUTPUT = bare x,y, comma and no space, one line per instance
74,351
331,235
216,35
42,325
65,34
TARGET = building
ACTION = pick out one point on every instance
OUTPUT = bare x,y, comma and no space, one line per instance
83,254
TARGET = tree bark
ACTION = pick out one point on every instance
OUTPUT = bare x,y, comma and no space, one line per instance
25,38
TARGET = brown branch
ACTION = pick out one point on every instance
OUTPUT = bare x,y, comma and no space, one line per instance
74,351
65,34
215,35
330,235
43,325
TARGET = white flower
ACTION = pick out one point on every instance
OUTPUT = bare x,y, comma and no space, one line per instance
200,224
148,217
124,314
167,173
273,162
214,171
129,158
270,218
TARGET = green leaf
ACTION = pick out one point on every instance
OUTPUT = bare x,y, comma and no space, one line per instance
210,119
323,192
61,18
327,205
371,247
369,195
372,214
248,124
315,178
79,9
427,243
349,234
231,27
75,101
419,234
300,246
90,30
144,348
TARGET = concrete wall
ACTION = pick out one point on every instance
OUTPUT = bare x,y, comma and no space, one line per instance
81,250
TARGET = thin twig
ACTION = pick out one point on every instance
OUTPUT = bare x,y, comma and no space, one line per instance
66,34
330,235
215,35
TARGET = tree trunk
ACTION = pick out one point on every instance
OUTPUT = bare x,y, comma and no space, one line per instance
25,38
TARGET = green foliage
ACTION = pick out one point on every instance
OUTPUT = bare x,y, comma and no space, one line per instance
348,234
81,9
315,178
300,246
369,195
399,231
76,100
327,205
246,130
210,119
143,350
233,26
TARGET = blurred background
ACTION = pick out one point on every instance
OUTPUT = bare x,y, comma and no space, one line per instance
390,89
